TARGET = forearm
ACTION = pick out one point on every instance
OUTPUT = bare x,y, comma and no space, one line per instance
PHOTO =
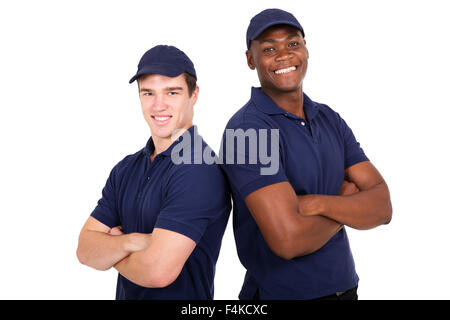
363,210
288,234
136,269
149,268
101,250
312,233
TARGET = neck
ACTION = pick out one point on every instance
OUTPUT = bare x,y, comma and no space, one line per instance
163,143
291,101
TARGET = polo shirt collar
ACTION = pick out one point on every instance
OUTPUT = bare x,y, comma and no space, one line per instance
265,104
150,146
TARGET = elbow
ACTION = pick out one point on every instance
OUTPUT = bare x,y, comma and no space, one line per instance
287,254
160,282
81,252
388,213
385,213
284,252
289,242
285,249
290,253
83,258
159,279
382,216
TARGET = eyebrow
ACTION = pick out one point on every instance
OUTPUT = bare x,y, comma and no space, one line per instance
174,89
273,40
165,89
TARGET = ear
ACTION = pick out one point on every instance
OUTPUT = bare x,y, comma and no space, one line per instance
250,60
307,52
194,96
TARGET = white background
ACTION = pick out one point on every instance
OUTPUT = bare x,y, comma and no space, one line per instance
68,115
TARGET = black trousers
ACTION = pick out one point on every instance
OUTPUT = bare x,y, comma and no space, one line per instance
351,294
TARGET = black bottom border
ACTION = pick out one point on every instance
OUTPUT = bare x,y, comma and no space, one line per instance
225,309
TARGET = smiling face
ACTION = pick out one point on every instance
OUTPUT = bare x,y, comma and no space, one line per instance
280,57
166,105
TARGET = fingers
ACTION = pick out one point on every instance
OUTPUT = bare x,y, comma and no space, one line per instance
116,231
348,188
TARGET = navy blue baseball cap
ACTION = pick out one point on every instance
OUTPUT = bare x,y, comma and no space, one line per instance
268,18
165,60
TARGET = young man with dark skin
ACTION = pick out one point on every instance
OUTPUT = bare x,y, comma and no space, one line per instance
289,226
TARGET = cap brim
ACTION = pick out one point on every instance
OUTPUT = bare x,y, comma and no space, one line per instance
270,24
165,70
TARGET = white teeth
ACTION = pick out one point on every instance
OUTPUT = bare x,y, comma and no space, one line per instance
286,70
162,118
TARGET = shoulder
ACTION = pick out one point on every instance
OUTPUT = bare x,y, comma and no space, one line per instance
200,183
327,113
129,161
201,164
325,110
249,116
333,118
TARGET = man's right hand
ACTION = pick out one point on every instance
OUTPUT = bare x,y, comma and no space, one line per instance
348,188
136,241
116,231
101,247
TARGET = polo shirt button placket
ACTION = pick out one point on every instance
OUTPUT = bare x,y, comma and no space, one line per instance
149,174
305,125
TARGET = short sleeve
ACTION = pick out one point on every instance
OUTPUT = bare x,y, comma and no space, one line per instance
353,153
196,195
106,211
251,157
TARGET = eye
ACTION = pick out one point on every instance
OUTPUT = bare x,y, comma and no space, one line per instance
172,93
293,44
147,94
268,49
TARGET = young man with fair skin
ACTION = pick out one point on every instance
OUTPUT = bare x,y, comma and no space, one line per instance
160,224
289,225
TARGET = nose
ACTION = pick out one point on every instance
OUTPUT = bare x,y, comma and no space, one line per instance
158,103
283,54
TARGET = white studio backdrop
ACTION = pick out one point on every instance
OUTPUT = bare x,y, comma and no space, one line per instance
68,115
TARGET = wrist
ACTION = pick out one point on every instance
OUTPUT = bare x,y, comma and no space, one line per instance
129,242
312,204
135,241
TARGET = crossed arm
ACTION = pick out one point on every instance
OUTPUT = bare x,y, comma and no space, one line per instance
149,260
366,209
303,224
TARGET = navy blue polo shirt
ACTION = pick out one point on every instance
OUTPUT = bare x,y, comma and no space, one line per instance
313,155
191,199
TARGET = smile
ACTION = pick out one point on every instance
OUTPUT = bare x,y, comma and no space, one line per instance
285,70
161,120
